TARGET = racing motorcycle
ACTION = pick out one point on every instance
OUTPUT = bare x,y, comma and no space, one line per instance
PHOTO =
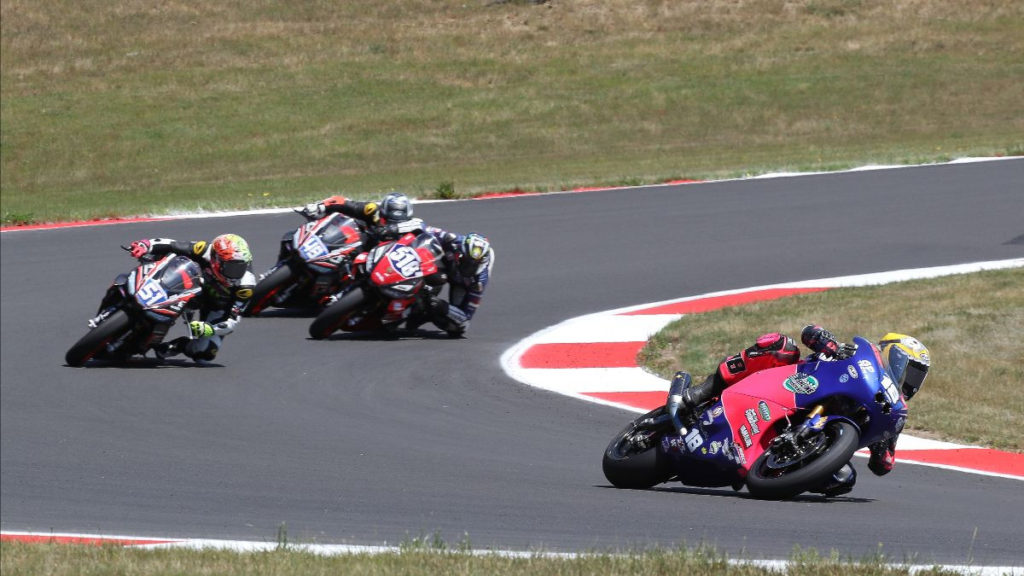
138,309
315,262
389,281
781,431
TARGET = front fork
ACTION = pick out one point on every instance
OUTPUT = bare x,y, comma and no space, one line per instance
814,422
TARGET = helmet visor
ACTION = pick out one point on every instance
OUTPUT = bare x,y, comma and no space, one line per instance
914,378
396,209
898,360
233,269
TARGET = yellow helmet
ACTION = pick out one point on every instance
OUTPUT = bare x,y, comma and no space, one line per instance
907,360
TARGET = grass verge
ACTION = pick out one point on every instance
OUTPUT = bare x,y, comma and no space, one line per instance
113,107
60,559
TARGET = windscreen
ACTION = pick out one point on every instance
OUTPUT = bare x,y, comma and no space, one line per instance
180,275
339,232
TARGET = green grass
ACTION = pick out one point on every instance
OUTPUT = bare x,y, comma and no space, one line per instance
973,324
120,108
60,559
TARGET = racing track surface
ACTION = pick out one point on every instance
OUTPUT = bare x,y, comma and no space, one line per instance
361,440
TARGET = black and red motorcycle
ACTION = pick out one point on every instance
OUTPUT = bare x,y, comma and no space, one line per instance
138,309
315,262
389,280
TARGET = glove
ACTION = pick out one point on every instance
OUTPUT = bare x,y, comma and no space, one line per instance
314,210
200,329
139,248
819,340
883,456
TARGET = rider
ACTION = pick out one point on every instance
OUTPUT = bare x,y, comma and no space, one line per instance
468,260
385,220
905,357
228,283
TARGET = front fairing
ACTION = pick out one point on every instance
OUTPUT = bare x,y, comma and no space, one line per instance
163,288
863,385
397,268
326,244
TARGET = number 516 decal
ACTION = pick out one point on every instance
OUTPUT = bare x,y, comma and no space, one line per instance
405,261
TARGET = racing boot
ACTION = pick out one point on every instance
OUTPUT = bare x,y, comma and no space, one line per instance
173,348
841,482
697,394
883,456
446,317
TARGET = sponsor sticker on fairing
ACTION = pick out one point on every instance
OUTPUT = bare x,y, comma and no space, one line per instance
710,415
766,413
745,434
734,452
866,367
751,415
800,383
853,372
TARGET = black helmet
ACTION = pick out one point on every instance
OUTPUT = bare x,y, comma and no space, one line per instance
395,207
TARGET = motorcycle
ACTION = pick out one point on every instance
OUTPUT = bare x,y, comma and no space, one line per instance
138,309
315,262
780,432
389,280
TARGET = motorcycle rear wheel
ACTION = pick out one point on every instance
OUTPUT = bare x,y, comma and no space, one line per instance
95,341
808,471
335,315
626,465
267,288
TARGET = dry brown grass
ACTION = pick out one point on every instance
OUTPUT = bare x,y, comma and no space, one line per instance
145,106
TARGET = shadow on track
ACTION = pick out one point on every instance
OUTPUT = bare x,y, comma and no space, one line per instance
730,493
148,364
377,335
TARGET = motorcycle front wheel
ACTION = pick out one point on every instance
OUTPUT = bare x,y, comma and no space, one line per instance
95,341
631,459
264,292
335,315
778,475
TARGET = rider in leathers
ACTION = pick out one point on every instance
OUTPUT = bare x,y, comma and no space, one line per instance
468,261
385,220
228,284
775,349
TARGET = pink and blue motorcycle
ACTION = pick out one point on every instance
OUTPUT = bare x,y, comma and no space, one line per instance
779,432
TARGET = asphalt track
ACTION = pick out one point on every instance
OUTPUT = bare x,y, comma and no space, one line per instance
362,440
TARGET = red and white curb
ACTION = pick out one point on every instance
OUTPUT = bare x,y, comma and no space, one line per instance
593,358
